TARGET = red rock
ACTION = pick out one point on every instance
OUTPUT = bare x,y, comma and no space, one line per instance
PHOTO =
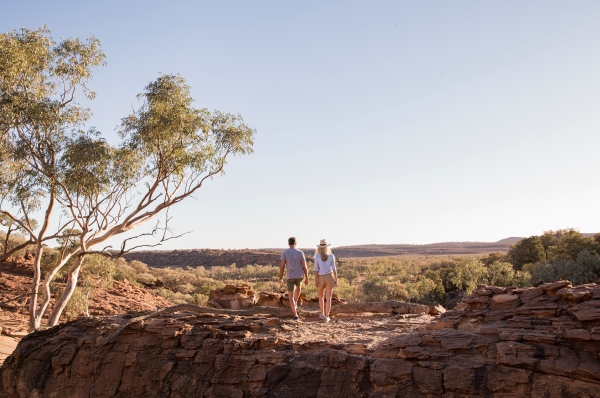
509,382
578,334
436,310
578,293
546,347
587,311
516,354
461,379
477,301
497,290
504,301
551,386
526,295
233,297
429,381
539,307
388,371
554,286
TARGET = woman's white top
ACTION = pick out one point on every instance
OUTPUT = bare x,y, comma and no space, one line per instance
324,267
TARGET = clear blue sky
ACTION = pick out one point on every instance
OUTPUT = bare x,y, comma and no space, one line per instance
377,122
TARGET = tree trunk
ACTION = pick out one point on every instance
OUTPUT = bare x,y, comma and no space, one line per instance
46,285
6,240
70,288
35,317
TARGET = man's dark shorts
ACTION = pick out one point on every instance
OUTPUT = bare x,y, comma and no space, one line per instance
293,282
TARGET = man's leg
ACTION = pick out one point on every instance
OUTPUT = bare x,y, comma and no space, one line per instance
292,302
290,291
297,294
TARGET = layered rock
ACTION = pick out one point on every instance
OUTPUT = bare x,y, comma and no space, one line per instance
233,297
501,342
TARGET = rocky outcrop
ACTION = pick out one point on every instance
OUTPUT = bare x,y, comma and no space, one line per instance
15,286
234,297
124,297
242,296
500,342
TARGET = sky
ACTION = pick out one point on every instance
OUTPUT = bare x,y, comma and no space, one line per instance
381,122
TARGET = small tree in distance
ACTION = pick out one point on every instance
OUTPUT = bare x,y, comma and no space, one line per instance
168,150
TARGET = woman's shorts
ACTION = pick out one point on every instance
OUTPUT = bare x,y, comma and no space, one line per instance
326,281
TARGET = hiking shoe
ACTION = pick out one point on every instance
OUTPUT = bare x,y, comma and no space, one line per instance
296,318
321,316
327,319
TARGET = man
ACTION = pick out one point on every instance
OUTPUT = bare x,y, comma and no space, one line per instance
295,262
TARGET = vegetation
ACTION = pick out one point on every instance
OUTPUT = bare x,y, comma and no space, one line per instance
428,280
419,279
560,255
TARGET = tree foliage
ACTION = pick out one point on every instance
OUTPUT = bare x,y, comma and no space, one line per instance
563,244
527,251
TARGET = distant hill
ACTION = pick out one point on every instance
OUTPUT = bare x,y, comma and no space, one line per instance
510,241
210,257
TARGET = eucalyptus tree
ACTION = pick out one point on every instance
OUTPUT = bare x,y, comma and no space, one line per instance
168,147
168,150
39,80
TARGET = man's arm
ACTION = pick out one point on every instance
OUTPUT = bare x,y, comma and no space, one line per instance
281,270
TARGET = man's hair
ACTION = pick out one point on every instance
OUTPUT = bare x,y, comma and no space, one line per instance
292,241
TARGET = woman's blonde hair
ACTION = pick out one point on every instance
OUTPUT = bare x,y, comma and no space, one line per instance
324,251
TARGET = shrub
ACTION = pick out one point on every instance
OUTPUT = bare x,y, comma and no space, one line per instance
77,305
500,273
466,275
200,299
344,290
205,285
175,298
97,272
138,266
584,269
50,259
267,286
146,279
187,288
382,289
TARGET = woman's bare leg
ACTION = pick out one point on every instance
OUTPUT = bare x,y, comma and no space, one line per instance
328,304
320,291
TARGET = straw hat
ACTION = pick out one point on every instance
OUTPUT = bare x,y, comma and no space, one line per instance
324,243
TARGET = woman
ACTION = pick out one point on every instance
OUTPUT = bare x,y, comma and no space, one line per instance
325,277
